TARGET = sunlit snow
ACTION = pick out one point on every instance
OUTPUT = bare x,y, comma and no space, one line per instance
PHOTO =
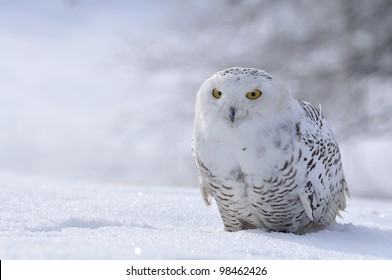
44,219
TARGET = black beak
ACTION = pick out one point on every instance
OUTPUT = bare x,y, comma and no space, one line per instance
232,114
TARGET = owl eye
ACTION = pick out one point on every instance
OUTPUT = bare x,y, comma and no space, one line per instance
252,95
216,93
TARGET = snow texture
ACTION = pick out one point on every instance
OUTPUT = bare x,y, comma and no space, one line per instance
46,219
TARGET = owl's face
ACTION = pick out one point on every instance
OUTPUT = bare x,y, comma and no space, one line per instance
237,94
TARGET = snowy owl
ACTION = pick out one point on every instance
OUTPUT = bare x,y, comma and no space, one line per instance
270,161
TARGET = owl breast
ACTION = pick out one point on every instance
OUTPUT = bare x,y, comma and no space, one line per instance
253,176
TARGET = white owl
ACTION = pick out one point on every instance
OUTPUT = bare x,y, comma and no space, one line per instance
270,161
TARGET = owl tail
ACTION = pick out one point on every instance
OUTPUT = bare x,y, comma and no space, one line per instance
306,204
206,193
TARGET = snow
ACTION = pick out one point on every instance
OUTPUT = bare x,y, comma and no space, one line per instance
45,218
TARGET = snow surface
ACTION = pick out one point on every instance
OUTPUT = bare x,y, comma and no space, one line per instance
44,218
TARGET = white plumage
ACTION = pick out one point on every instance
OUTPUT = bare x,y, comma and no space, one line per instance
270,161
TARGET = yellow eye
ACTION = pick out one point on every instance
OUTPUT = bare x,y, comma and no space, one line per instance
252,95
216,93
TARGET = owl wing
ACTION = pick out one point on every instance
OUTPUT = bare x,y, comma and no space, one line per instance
202,173
324,190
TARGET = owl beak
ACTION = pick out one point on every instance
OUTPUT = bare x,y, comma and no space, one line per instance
232,113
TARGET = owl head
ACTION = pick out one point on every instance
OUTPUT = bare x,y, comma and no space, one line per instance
236,94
